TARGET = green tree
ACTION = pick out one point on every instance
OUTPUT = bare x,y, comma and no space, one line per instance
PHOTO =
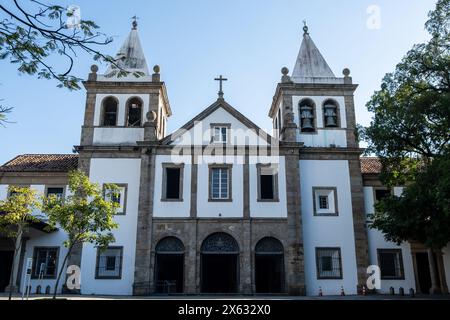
46,40
410,133
85,215
16,214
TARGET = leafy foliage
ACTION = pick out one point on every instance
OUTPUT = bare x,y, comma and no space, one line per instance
84,215
422,213
17,210
16,213
411,121
410,133
3,111
30,36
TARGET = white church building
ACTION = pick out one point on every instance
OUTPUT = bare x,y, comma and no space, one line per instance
220,206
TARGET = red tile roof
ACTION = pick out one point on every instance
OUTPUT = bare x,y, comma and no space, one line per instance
66,162
370,165
41,163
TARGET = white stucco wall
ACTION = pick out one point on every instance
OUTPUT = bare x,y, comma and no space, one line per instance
42,239
115,171
118,136
328,231
267,209
3,191
200,133
376,241
322,137
172,208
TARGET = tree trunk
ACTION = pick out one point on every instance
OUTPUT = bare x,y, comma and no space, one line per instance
17,249
432,264
61,270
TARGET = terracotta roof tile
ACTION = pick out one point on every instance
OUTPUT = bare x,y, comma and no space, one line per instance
41,163
370,165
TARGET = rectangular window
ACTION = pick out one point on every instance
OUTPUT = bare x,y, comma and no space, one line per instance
329,264
45,262
109,263
57,191
325,201
220,133
267,182
119,197
381,194
220,183
172,188
391,263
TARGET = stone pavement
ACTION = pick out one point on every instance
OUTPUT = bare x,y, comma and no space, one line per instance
4,296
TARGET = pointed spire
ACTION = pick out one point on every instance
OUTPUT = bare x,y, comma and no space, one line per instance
310,63
130,56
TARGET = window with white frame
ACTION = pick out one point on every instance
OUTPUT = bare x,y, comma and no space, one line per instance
325,201
119,196
220,133
109,263
220,183
329,264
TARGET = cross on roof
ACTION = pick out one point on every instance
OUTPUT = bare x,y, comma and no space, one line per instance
305,27
134,23
220,79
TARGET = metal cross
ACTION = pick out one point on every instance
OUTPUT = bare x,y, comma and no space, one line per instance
305,27
134,23
220,79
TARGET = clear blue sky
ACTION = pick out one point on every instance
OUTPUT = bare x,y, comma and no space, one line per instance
194,41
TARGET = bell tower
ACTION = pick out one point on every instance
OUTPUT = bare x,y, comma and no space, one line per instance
125,104
319,103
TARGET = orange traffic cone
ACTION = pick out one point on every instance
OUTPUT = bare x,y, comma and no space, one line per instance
342,291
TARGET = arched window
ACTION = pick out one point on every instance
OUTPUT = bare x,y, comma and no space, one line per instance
170,245
134,112
330,114
269,245
307,115
109,117
220,242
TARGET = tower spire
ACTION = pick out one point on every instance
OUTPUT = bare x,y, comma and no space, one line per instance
130,56
310,63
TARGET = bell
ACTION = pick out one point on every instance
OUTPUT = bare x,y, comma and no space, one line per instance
330,121
330,116
307,124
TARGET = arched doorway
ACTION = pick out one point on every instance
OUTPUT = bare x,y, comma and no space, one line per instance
219,264
269,266
169,266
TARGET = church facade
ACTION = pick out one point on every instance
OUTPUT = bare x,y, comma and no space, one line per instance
220,206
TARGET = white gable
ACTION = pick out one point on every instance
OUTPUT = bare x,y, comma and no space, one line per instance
200,133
